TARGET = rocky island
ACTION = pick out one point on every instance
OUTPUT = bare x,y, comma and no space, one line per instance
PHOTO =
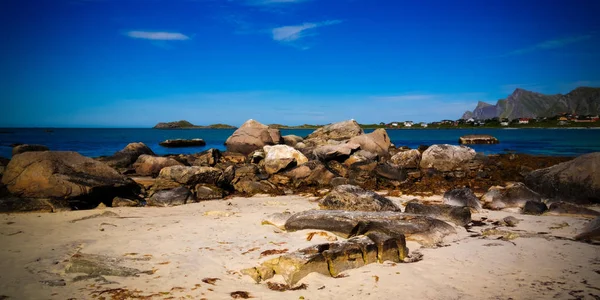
317,216
183,124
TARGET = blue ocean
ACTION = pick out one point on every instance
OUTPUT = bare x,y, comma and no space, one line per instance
96,142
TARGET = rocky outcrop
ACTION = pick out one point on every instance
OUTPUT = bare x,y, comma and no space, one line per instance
337,131
460,216
407,159
377,142
11,204
526,104
83,181
513,195
280,157
147,165
446,157
350,197
251,136
332,259
127,156
477,139
462,197
28,148
179,143
576,181
422,229
191,175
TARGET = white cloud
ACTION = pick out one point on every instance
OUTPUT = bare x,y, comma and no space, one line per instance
157,35
293,33
551,44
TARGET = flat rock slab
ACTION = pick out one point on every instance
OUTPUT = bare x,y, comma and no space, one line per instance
177,143
101,265
477,139
570,209
460,216
425,230
332,258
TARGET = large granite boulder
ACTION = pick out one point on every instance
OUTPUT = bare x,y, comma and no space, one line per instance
377,142
513,195
127,156
148,165
337,152
446,157
409,159
291,140
351,197
569,209
312,173
462,197
191,175
577,180
208,192
337,131
28,148
251,136
65,175
279,157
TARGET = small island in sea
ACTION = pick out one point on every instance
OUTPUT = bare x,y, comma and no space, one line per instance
183,124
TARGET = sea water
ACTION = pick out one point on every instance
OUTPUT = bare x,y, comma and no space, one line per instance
96,142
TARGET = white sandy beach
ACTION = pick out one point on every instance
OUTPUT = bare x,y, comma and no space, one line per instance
216,239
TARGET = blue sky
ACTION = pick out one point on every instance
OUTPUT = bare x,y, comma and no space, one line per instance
133,63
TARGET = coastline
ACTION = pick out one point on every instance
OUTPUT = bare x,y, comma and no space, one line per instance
216,239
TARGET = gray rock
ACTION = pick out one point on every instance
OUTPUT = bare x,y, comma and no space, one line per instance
570,209
350,197
576,181
425,230
462,197
513,195
179,143
172,197
209,157
534,208
445,157
337,152
391,172
460,216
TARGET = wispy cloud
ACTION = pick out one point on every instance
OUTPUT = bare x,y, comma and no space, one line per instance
271,2
290,34
157,35
550,44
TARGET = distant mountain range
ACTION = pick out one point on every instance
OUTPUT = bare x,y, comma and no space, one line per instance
526,104
183,124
